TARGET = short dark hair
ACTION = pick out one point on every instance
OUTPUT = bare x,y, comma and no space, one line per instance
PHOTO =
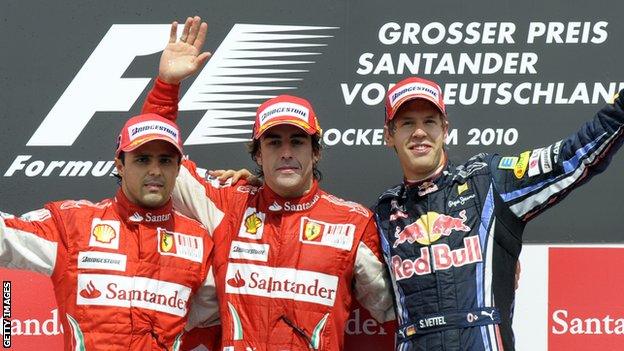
253,147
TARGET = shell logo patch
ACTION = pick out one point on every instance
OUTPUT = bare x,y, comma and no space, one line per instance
104,234
252,225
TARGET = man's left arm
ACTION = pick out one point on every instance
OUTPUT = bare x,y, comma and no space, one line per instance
372,283
533,181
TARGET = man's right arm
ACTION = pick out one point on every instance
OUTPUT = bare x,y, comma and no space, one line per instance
179,60
30,242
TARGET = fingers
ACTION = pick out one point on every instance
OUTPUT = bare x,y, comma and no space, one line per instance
173,32
201,36
192,34
202,58
187,28
216,172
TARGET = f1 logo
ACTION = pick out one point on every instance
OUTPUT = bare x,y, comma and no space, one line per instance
251,63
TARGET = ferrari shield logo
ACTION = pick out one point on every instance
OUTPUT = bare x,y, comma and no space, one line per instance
312,230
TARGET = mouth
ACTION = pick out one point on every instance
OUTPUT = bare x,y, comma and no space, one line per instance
287,169
420,149
153,186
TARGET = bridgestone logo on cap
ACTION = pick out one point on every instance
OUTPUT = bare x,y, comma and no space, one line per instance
284,109
152,127
413,89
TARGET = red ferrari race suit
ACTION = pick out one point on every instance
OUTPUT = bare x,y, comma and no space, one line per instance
122,275
285,269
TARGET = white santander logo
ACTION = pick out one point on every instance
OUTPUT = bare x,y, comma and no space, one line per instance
228,88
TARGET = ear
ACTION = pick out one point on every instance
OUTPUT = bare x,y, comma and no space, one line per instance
120,167
316,156
388,137
258,157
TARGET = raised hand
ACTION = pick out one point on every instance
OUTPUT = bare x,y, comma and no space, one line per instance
183,58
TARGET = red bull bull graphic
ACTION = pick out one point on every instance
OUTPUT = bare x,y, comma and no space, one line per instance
440,224
442,256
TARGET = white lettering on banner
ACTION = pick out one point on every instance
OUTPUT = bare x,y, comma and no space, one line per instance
27,327
39,168
249,251
553,32
240,58
283,109
356,325
281,283
101,260
434,33
352,137
562,324
180,245
122,291
443,258
152,127
499,93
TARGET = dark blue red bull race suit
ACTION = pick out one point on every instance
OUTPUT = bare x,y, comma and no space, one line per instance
452,242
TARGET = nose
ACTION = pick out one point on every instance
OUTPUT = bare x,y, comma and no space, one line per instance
419,132
155,168
286,151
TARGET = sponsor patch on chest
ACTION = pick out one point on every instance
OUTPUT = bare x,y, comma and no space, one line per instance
316,232
101,260
252,225
281,283
125,292
104,234
249,251
180,245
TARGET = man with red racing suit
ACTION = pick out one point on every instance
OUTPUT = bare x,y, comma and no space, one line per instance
123,269
285,266
288,255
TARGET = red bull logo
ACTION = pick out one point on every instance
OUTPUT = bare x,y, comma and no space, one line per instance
431,227
442,256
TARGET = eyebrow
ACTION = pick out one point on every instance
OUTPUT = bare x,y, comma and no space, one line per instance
293,136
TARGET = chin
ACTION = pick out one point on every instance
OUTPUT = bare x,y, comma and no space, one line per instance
153,200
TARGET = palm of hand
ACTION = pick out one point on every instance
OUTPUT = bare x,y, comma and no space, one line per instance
177,61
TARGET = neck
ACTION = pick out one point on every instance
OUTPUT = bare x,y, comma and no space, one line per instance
291,193
418,178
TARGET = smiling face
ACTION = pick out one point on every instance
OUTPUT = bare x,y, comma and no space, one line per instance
418,134
148,173
287,159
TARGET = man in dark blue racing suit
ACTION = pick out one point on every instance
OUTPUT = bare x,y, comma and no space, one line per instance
451,235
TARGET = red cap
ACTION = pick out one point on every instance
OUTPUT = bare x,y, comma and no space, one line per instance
285,109
140,129
410,89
